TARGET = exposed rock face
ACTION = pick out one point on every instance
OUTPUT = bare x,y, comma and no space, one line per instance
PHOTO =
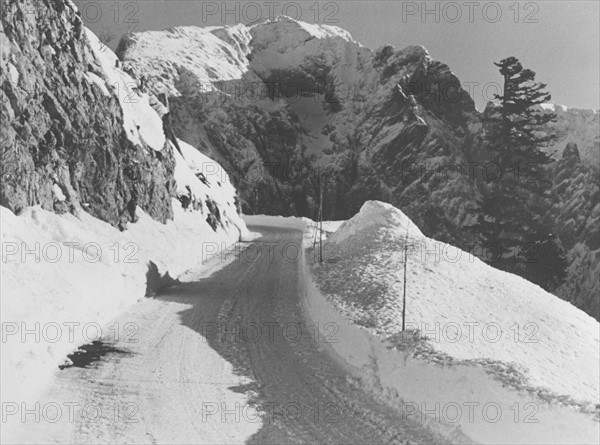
417,143
576,211
575,126
63,142
284,106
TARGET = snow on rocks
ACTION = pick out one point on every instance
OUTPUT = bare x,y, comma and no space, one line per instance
189,59
477,334
209,54
140,120
206,183
579,126
286,33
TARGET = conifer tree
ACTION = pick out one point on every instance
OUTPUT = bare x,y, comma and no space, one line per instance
511,221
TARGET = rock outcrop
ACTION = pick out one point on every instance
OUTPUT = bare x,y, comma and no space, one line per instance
64,145
576,213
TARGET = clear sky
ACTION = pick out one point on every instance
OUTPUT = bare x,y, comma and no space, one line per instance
559,40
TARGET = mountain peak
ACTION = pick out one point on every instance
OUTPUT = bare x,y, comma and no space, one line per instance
416,51
314,30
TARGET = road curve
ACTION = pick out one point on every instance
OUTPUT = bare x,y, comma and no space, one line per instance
226,358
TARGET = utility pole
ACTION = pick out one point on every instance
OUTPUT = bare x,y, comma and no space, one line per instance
404,291
320,217
315,234
255,200
319,222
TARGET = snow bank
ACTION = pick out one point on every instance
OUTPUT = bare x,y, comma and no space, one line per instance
376,216
64,277
500,361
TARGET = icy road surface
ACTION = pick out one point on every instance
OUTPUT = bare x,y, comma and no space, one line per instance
185,374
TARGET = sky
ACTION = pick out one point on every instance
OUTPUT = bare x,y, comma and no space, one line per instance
559,40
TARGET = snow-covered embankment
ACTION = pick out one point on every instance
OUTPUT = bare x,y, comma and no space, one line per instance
494,357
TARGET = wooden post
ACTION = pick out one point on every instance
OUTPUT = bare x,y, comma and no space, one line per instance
404,284
320,217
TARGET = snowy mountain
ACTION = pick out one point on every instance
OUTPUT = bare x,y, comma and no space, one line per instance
462,316
101,204
280,103
323,93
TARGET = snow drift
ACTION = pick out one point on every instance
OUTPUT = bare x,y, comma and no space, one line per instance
475,335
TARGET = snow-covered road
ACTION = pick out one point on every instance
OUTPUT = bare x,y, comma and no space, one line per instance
186,374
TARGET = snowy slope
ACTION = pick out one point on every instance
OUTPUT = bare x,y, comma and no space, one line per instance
139,118
469,311
194,59
487,357
205,53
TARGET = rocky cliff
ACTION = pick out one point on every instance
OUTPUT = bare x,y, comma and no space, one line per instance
576,213
575,126
81,134
64,145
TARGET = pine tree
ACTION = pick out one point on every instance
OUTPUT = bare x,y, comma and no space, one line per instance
511,223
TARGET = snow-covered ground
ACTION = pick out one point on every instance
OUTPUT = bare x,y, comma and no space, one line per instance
177,380
480,334
168,387
63,277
